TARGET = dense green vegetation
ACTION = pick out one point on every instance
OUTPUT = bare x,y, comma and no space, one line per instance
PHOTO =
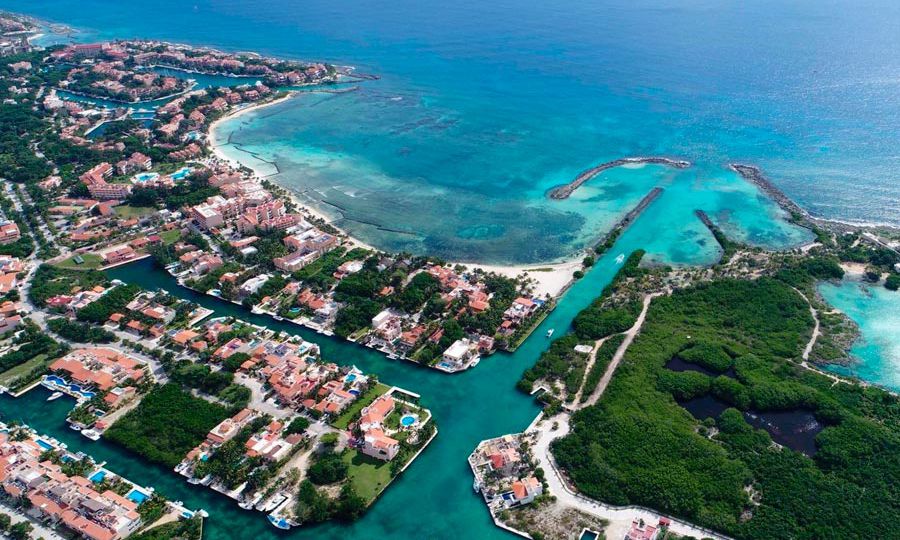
639,446
114,300
30,344
80,332
327,469
561,362
600,320
49,281
166,425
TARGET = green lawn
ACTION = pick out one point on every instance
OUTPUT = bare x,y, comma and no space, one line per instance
91,261
170,237
369,476
344,419
9,376
126,211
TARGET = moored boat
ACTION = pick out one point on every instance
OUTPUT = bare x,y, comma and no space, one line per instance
55,396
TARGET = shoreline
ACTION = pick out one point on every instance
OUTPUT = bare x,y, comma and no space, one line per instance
551,279
799,215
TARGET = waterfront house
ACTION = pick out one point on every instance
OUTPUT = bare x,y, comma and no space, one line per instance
100,367
229,428
526,490
378,445
69,501
459,354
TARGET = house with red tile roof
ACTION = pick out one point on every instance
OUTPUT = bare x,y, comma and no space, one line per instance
99,367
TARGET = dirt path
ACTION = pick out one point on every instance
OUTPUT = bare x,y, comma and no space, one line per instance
587,370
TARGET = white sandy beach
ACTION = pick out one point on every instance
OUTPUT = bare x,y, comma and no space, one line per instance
854,269
548,279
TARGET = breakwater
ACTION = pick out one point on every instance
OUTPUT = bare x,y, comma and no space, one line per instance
565,190
754,175
610,238
799,216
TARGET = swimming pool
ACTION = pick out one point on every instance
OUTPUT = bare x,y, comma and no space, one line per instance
137,496
181,173
44,444
408,420
145,177
350,377
97,477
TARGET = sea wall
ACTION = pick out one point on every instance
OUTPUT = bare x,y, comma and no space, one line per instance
565,190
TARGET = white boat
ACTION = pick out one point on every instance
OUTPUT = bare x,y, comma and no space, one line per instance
203,513
91,434
75,427
54,396
278,317
549,332
620,259
279,522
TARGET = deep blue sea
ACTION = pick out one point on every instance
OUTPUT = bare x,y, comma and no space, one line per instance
483,106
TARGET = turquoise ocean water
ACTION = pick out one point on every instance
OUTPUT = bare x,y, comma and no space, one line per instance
482,107
877,312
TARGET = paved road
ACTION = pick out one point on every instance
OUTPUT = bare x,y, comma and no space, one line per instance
619,518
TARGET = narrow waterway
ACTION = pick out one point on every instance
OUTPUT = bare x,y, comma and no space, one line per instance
432,499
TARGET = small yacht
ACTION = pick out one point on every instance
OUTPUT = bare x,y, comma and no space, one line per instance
549,332
91,434
620,259
55,396
279,522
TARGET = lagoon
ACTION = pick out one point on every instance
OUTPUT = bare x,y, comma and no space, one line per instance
876,311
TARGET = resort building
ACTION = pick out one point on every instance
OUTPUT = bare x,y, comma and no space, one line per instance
68,501
99,367
9,232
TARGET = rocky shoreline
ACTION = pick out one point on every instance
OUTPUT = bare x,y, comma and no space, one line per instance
799,216
565,190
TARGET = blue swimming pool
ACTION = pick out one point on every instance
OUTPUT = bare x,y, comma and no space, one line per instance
97,477
137,496
408,420
181,173
145,177
44,444
350,377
